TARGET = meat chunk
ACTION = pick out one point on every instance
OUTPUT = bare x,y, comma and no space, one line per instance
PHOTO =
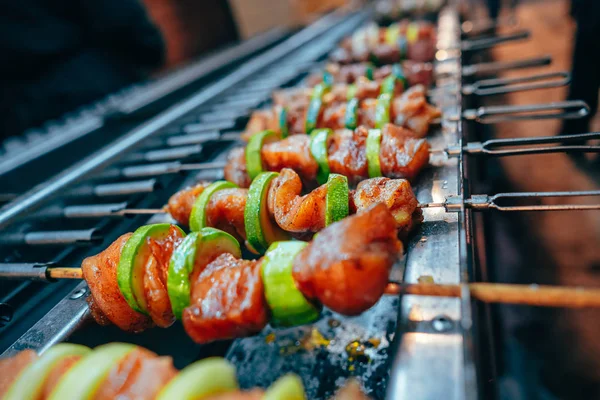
347,266
293,152
401,155
235,170
155,277
396,194
225,211
227,301
292,211
347,154
59,369
107,302
141,374
181,203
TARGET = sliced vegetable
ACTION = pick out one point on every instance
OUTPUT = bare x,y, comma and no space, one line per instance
198,214
337,199
85,377
351,117
134,256
288,387
283,123
254,164
201,379
288,305
391,34
373,149
369,71
398,72
196,251
382,110
388,85
318,149
351,92
28,385
314,108
412,32
261,231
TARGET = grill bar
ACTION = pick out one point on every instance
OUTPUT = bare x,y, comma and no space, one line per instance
51,238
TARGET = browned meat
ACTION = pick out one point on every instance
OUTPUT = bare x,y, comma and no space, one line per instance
107,302
139,375
10,368
155,277
409,110
181,203
396,194
292,211
347,154
227,301
225,211
293,152
235,170
401,156
346,267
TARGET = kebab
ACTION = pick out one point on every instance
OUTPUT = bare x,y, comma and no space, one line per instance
416,73
404,40
357,154
274,204
410,110
390,79
121,370
157,275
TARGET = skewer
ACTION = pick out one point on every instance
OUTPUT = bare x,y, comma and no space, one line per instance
534,295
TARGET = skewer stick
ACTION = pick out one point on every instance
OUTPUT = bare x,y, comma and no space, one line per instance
533,295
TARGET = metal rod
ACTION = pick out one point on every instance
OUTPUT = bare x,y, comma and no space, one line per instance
563,110
480,202
516,146
487,42
203,166
488,87
533,295
499,66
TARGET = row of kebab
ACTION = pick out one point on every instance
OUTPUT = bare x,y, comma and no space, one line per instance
321,192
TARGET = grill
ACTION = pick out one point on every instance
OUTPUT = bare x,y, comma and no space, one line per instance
415,346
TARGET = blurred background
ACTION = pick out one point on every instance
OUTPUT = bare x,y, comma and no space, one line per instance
63,59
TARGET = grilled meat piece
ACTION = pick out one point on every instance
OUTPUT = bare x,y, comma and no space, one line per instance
155,277
292,211
347,266
398,197
181,203
401,156
409,110
227,301
106,301
141,374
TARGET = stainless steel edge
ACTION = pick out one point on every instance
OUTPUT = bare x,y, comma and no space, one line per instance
433,358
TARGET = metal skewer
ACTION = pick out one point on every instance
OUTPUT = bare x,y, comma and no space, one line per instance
534,295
